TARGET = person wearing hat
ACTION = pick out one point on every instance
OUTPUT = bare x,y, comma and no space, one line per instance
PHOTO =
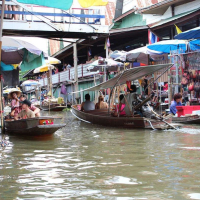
33,99
14,102
32,107
26,112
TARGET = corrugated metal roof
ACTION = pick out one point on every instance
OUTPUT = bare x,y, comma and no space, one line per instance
128,75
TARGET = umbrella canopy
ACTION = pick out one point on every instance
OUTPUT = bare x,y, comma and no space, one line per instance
43,68
30,83
190,34
52,61
140,55
116,54
110,64
169,45
13,50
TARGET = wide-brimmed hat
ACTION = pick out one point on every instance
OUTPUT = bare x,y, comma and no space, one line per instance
14,91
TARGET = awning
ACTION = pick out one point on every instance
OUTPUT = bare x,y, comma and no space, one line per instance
128,75
171,19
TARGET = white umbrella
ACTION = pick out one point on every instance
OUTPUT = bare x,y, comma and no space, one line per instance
43,68
30,83
140,55
52,61
110,64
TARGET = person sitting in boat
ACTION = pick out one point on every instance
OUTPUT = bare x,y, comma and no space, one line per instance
33,99
101,104
119,109
32,107
87,105
14,103
130,100
26,112
176,102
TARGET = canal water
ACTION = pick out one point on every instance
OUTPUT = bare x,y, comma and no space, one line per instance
85,161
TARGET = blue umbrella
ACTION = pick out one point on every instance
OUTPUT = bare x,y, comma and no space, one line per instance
190,34
169,45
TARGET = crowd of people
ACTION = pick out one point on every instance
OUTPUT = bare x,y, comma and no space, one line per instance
21,108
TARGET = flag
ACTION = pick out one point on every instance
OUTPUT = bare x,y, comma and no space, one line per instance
107,43
89,3
89,52
152,37
178,30
60,4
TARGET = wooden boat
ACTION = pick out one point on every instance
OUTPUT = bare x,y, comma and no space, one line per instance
33,126
53,107
193,119
103,117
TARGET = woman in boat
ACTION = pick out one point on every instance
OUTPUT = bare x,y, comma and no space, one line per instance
119,109
101,104
14,103
176,102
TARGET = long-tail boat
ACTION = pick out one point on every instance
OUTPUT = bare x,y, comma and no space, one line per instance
103,116
39,126
53,107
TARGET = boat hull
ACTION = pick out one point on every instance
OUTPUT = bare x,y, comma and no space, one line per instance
33,126
102,118
195,119
53,107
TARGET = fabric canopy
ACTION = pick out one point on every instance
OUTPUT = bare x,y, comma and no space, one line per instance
61,4
128,75
43,68
167,46
89,3
5,67
190,34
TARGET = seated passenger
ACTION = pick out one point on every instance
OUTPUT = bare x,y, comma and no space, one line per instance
26,112
129,100
87,105
176,102
119,110
32,107
101,104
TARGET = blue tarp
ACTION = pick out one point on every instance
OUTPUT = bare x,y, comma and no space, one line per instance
5,67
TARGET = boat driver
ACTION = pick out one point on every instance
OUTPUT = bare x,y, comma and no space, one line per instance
32,107
26,112
176,102
87,105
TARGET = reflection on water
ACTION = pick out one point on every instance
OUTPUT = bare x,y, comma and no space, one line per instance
85,161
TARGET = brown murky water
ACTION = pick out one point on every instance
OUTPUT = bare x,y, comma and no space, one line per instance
85,161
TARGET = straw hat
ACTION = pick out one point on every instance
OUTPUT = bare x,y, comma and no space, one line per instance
14,91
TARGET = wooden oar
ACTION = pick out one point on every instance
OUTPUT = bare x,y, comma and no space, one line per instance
161,119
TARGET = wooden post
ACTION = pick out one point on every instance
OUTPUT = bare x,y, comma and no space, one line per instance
106,59
1,83
50,82
75,72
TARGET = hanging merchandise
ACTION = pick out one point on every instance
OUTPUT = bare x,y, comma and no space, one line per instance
63,89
